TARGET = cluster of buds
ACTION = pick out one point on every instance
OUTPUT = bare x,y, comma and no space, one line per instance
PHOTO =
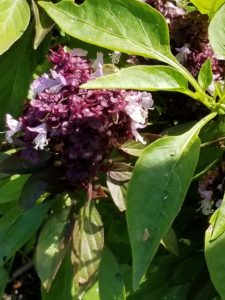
189,37
79,127
211,189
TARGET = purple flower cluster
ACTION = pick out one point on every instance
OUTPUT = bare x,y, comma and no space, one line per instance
189,37
80,127
211,189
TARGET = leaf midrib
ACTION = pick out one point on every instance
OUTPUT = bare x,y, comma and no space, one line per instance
155,54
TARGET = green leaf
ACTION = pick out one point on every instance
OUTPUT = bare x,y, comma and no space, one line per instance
215,7
203,6
217,33
11,190
62,286
123,25
14,19
43,24
170,242
110,280
116,189
53,242
92,293
146,78
22,230
218,221
214,249
156,191
4,276
88,241
205,75
15,164
16,68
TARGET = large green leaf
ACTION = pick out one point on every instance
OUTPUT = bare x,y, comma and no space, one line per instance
215,7
203,6
3,281
147,78
88,241
21,230
156,191
53,242
14,19
111,286
63,286
214,254
16,67
217,32
124,25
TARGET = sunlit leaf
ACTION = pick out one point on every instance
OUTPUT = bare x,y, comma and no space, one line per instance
123,25
14,19
146,78
217,33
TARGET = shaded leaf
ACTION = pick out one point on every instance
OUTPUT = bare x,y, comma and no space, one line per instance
170,242
160,180
110,280
22,230
11,190
43,24
53,242
14,164
16,68
215,260
146,78
14,19
62,287
217,33
88,240
3,281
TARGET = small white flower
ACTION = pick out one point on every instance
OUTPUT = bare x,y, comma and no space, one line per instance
206,207
138,105
41,139
13,125
183,53
116,57
136,134
98,66
78,52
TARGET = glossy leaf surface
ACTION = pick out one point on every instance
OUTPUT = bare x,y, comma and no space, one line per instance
156,191
123,25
